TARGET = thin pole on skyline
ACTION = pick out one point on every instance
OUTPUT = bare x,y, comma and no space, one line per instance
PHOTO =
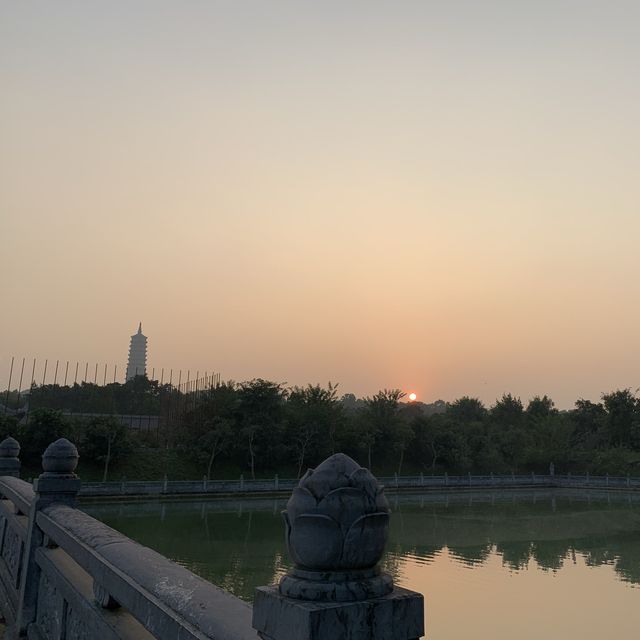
33,373
104,379
95,377
86,372
44,375
6,402
115,368
66,371
55,375
20,384
75,380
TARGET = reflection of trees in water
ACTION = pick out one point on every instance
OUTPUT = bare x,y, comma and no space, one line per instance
547,529
472,555
240,544
516,555
628,562
550,554
392,561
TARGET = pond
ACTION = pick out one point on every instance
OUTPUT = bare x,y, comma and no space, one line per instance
545,564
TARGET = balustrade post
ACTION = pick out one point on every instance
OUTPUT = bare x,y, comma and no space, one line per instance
422,479
446,479
165,483
395,475
336,528
9,461
58,484
241,482
276,482
469,472
204,483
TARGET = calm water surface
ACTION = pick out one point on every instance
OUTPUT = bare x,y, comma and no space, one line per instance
544,565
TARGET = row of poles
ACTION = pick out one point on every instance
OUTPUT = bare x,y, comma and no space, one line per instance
97,375
186,396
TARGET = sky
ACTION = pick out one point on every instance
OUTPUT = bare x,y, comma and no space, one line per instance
436,196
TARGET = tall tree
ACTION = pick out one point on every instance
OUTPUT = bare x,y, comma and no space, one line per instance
261,418
313,414
622,417
105,439
379,419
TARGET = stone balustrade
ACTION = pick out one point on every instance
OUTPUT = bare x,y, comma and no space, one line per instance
65,575
241,486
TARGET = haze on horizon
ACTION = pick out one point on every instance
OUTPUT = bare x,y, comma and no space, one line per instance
440,197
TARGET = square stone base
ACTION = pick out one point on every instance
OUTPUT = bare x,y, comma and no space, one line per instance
397,616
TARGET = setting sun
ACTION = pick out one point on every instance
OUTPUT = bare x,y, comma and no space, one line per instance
412,397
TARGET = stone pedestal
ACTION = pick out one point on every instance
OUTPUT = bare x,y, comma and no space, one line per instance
336,526
9,462
396,616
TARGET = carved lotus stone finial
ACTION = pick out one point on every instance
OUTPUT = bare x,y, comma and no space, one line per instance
336,528
9,448
60,457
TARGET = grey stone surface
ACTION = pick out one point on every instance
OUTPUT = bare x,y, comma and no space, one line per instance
336,529
172,601
337,517
396,616
60,457
344,586
80,579
57,484
336,522
9,462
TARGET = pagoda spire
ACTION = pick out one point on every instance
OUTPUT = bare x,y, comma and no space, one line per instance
137,365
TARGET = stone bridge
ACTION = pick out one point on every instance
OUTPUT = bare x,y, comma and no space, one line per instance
67,576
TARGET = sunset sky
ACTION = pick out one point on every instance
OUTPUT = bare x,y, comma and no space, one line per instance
437,196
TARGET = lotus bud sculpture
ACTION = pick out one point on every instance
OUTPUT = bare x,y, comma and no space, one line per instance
337,521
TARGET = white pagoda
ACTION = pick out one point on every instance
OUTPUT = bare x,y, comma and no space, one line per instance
137,365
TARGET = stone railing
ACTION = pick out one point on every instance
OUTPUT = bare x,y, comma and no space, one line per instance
64,574
392,483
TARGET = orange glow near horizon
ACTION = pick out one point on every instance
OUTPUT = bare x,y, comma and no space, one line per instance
280,190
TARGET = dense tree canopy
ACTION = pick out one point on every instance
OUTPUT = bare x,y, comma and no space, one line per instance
258,427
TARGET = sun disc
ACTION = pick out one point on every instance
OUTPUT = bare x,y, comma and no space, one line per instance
412,397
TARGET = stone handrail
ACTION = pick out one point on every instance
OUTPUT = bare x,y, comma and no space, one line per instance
14,528
18,491
64,574
168,599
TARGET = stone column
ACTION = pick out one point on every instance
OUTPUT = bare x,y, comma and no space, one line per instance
57,484
9,462
336,528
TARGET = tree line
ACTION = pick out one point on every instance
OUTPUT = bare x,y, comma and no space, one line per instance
264,425
260,427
